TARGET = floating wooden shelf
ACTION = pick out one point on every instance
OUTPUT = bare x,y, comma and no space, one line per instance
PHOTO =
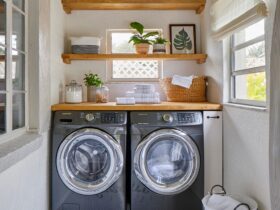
111,106
70,5
199,58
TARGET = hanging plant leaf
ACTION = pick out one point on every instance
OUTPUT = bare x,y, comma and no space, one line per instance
182,41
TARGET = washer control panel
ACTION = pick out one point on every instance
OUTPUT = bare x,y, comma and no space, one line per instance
90,117
190,118
104,117
112,118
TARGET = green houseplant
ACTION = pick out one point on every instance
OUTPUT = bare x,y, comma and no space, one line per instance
159,45
141,40
96,91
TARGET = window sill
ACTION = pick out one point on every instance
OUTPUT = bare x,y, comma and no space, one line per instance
247,107
15,150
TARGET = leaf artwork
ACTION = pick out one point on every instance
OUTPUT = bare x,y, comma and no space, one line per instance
182,41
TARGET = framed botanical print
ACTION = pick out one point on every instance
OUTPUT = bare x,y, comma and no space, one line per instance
183,38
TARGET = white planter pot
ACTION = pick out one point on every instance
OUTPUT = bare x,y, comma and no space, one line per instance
159,48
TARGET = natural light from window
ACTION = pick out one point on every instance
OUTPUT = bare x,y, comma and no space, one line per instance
249,63
130,69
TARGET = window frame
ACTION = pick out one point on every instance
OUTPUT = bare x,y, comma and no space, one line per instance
234,73
10,133
109,63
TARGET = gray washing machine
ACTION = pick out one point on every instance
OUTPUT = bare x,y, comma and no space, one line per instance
167,168
88,160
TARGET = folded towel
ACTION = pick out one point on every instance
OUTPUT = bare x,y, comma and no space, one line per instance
185,82
125,101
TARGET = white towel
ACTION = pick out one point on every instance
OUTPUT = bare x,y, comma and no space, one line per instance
185,82
125,100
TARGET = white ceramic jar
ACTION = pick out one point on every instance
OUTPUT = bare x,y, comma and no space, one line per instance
73,93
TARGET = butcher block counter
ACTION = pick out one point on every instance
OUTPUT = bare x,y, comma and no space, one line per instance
164,106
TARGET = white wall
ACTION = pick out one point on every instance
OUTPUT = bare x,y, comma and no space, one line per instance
213,68
86,23
57,48
24,186
275,117
246,131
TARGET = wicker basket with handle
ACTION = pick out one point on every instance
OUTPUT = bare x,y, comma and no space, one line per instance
174,93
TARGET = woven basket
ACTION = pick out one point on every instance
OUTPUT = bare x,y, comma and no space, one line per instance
174,93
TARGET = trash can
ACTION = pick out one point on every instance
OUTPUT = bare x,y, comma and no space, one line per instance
221,201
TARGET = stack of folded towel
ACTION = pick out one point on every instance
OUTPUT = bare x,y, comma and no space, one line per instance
144,94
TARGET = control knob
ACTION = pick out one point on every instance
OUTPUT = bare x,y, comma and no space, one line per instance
167,118
90,117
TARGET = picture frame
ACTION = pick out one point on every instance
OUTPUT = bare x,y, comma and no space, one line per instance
182,38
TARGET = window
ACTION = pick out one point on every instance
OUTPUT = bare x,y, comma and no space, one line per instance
129,70
12,65
248,77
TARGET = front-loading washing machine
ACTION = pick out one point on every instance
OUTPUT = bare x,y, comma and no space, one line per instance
88,160
167,170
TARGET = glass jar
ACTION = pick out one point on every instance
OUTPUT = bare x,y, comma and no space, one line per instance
102,94
73,92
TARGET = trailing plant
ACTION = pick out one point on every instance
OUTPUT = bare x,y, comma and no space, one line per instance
160,40
182,41
140,37
92,80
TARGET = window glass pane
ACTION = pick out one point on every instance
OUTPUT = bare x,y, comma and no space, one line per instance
18,110
131,69
2,113
251,86
249,33
2,22
250,57
120,43
18,71
135,69
2,68
19,4
18,31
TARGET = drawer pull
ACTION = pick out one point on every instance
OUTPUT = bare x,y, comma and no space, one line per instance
214,117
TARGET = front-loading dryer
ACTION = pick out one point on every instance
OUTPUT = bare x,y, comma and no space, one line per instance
167,170
88,160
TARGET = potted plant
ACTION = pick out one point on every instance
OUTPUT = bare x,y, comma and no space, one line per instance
96,91
159,45
141,40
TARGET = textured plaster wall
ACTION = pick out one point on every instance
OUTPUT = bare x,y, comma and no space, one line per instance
245,131
275,117
24,186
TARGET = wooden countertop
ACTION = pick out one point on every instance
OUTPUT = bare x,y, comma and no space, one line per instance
111,106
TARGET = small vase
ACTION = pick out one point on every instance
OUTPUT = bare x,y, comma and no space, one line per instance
159,48
142,48
98,94
102,94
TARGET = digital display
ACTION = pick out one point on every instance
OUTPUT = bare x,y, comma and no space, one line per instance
111,118
186,118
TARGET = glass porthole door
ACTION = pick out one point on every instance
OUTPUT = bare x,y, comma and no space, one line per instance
167,161
89,161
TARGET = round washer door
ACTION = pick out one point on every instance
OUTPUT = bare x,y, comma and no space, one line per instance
167,161
89,161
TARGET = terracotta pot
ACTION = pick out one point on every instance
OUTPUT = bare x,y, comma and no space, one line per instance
142,48
159,48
